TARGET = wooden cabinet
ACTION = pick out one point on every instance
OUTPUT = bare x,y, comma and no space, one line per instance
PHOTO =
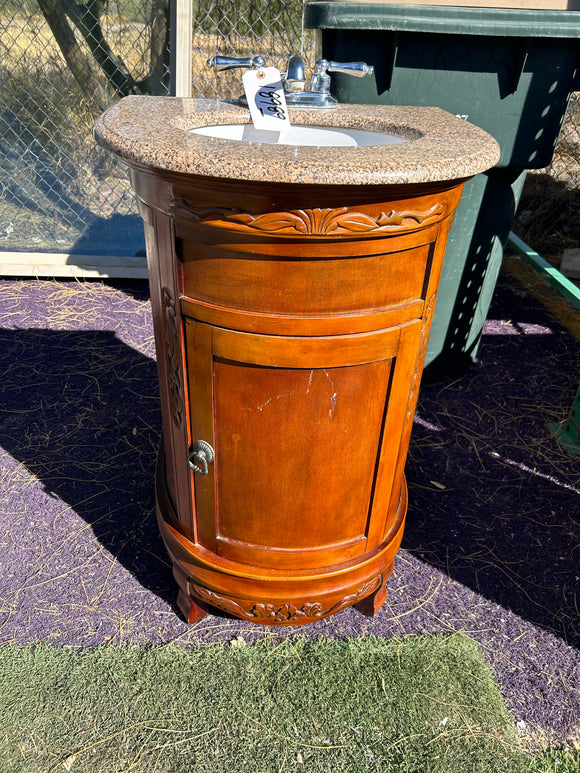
291,324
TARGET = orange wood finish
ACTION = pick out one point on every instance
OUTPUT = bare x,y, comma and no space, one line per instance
291,324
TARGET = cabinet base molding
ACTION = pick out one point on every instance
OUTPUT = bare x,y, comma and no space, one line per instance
280,613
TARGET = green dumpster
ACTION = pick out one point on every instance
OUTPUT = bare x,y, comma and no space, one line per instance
511,71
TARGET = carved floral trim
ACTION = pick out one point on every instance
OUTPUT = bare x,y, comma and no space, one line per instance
421,353
282,613
173,359
338,221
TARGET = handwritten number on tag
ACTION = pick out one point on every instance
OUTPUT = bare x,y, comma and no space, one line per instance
275,107
266,102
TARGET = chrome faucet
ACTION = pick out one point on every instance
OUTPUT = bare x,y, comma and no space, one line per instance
294,79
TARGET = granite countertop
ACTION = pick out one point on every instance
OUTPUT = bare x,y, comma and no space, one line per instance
153,132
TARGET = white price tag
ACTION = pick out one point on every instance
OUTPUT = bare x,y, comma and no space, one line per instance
266,100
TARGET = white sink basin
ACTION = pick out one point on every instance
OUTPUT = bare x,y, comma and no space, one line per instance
312,136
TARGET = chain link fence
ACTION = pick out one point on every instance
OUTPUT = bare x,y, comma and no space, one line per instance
62,62
60,66
246,28
547,217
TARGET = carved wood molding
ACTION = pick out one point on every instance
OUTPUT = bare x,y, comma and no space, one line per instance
308,222
282,613
421,353
173,358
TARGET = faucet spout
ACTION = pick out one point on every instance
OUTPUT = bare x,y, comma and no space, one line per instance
295,77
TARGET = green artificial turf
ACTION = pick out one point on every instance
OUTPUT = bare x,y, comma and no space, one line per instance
555,761
413,704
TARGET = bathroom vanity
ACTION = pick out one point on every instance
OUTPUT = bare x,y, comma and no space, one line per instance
292,290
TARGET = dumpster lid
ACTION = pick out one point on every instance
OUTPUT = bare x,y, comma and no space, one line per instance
541,5
499,22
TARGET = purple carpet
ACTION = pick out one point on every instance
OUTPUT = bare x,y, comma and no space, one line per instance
491,544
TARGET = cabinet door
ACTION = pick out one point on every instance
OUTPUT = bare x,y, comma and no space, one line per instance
306,432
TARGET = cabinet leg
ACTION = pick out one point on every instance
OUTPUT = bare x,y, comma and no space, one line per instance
192,611
370,605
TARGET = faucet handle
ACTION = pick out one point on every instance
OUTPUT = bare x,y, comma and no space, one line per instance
320,81
358,69
220,63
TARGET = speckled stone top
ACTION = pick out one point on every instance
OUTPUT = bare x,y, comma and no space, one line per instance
153,132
